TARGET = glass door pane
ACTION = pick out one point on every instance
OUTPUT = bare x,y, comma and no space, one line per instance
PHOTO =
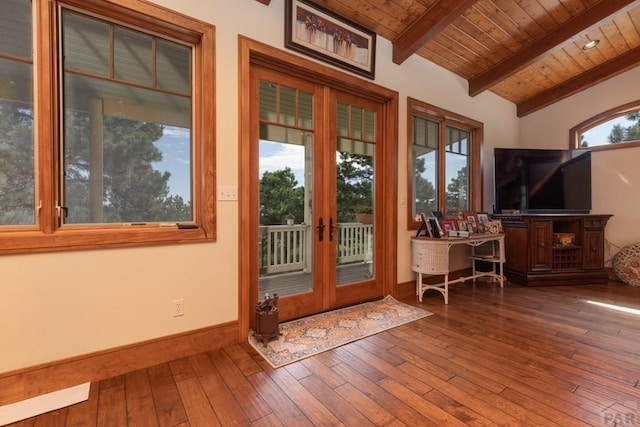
285,190
355,191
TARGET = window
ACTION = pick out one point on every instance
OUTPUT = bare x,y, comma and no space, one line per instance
117,147
445,172
615,128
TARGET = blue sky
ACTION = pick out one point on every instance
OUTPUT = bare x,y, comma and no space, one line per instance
176,158
276,156
598,135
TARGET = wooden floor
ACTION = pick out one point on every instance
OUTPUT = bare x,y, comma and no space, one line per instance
512,356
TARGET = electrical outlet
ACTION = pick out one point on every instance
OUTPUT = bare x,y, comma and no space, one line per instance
178,307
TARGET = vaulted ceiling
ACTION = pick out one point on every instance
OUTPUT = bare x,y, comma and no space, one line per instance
529,52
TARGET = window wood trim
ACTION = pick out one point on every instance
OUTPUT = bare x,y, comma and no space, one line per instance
45,236
445,117
574,132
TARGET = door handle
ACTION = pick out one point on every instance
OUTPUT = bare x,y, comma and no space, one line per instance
330,228
320,229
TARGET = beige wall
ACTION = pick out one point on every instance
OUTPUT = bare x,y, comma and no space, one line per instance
615,173
65,304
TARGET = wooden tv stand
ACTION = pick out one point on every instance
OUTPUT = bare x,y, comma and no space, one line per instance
554,249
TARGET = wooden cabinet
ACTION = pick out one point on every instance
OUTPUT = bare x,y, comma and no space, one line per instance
544,250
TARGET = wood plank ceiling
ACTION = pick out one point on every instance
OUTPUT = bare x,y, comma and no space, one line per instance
526,51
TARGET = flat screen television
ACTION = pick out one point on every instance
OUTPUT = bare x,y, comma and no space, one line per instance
542,181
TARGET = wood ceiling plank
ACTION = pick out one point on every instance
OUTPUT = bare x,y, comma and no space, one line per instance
427,26
577,62
592,77
538,14
498,28
480,42
443,57
558,70
390,15
556,10
457,43
411,9
354,10
576,7
522,27
540,47
629,30
616,39
574,50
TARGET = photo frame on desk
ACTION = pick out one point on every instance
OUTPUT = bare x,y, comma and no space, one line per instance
425,226
322,34
448,225
435,227
483,220
472,221
494,226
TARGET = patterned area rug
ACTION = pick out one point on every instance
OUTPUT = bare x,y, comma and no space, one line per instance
308,336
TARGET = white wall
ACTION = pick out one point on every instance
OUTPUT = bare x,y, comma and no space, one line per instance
64,304
615,173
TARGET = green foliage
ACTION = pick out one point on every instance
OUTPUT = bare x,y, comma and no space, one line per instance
354,185
424,191
621,133
280,196
133,191
458,193
17,177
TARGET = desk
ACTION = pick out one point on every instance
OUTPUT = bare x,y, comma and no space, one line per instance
430,256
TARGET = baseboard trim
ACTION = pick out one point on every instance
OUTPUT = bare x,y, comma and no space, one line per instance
33,381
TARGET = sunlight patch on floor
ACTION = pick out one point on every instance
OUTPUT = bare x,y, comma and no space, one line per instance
616,307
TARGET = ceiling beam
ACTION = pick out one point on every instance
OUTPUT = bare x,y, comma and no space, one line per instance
534,51
579,83
427,26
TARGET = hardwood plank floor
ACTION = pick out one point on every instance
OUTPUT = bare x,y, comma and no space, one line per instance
506,357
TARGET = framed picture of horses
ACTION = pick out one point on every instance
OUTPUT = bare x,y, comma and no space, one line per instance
321,34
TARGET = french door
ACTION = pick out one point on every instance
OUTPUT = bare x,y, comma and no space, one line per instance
316,192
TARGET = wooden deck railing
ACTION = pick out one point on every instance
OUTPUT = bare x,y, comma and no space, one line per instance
285,248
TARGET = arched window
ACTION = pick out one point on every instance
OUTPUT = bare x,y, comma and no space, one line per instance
615,128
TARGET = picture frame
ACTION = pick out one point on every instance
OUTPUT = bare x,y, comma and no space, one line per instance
322,34
448,225
463,225
483,220
494,226
425,226
435,227
472,221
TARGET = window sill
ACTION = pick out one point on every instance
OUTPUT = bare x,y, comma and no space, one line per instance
20,242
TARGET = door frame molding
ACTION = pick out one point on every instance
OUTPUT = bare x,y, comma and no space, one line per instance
254,53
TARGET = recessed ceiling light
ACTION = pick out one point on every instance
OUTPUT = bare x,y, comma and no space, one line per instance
590,45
